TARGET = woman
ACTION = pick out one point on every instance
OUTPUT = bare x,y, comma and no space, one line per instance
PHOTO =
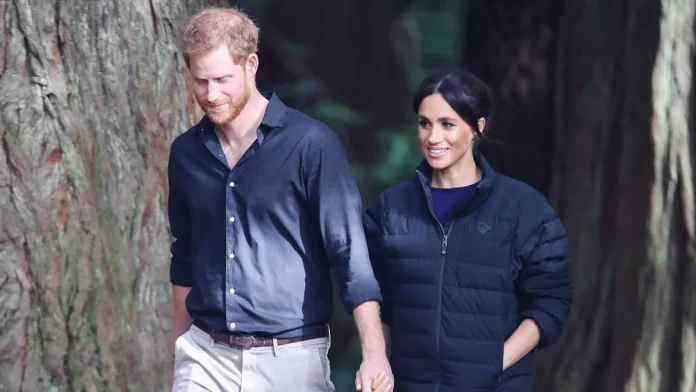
473,265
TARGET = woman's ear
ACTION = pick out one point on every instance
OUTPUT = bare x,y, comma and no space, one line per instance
481,124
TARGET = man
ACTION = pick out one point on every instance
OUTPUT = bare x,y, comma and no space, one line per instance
261,204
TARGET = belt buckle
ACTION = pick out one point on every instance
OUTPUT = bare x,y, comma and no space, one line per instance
243,339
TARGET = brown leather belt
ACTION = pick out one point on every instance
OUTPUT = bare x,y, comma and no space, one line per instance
246,342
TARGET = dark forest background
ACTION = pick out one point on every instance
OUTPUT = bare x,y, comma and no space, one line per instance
596,111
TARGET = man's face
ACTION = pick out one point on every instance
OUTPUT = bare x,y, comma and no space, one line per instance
221,87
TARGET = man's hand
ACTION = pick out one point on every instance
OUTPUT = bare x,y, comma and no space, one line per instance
376,374
171,379
373,348
182,320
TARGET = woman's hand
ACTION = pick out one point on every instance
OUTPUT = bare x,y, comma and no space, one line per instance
522,341
380,384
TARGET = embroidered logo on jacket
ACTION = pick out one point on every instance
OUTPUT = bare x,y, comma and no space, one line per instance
483,228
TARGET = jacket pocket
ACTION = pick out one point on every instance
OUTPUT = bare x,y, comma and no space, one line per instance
500,346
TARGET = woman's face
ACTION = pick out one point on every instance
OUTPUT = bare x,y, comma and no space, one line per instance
444,137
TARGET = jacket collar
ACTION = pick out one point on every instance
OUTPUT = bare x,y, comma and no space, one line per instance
424,176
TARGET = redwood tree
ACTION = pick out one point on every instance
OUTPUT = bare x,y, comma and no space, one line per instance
622,179
91,94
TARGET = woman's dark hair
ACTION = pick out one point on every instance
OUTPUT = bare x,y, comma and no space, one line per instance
468,95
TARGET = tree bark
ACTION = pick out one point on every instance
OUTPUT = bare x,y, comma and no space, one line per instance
512,46
91,95
623,184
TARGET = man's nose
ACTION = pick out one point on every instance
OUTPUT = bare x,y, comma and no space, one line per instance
213,92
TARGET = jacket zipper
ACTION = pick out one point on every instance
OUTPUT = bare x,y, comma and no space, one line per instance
443,253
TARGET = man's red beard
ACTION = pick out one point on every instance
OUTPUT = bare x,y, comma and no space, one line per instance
230,112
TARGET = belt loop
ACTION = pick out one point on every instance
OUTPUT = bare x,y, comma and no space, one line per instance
211,341
276,352
328,345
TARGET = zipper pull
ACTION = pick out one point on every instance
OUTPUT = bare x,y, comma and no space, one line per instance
444,245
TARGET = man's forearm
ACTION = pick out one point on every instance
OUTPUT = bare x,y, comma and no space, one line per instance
370,329
182,320
387,334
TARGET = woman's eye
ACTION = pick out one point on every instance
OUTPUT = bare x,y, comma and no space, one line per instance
447,125
423,123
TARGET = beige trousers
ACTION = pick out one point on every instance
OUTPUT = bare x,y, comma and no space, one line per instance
200,364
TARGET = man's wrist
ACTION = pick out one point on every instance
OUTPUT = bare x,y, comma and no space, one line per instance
373,353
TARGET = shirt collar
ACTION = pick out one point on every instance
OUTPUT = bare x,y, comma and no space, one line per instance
275,111
273,117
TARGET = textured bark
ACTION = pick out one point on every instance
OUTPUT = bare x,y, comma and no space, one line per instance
91,94
623,184
512,46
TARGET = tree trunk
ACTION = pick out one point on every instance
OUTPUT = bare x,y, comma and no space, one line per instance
512,46
91,95
623,184
343,52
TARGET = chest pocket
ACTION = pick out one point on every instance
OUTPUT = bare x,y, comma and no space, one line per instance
485,255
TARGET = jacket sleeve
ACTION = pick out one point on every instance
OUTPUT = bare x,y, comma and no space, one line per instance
545,285
334,198
372,223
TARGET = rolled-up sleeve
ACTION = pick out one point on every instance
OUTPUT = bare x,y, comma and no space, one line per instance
181,270
545,286
372,224
334,197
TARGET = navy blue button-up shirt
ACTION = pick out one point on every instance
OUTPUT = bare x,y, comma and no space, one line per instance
255,241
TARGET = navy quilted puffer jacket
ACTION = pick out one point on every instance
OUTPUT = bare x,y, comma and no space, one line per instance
454,294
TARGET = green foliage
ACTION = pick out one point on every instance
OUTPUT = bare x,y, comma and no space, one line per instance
401,156
300,89
440,27
296,47
335,114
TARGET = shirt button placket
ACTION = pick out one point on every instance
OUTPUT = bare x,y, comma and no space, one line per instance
231,256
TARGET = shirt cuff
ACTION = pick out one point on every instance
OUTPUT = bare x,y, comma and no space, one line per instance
358,293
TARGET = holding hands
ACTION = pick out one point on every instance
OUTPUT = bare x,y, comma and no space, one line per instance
369,378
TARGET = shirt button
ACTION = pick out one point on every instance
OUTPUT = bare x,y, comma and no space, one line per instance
233,325
231,255
231,291
232,184
232,219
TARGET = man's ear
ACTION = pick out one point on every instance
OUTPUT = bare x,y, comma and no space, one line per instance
252,65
